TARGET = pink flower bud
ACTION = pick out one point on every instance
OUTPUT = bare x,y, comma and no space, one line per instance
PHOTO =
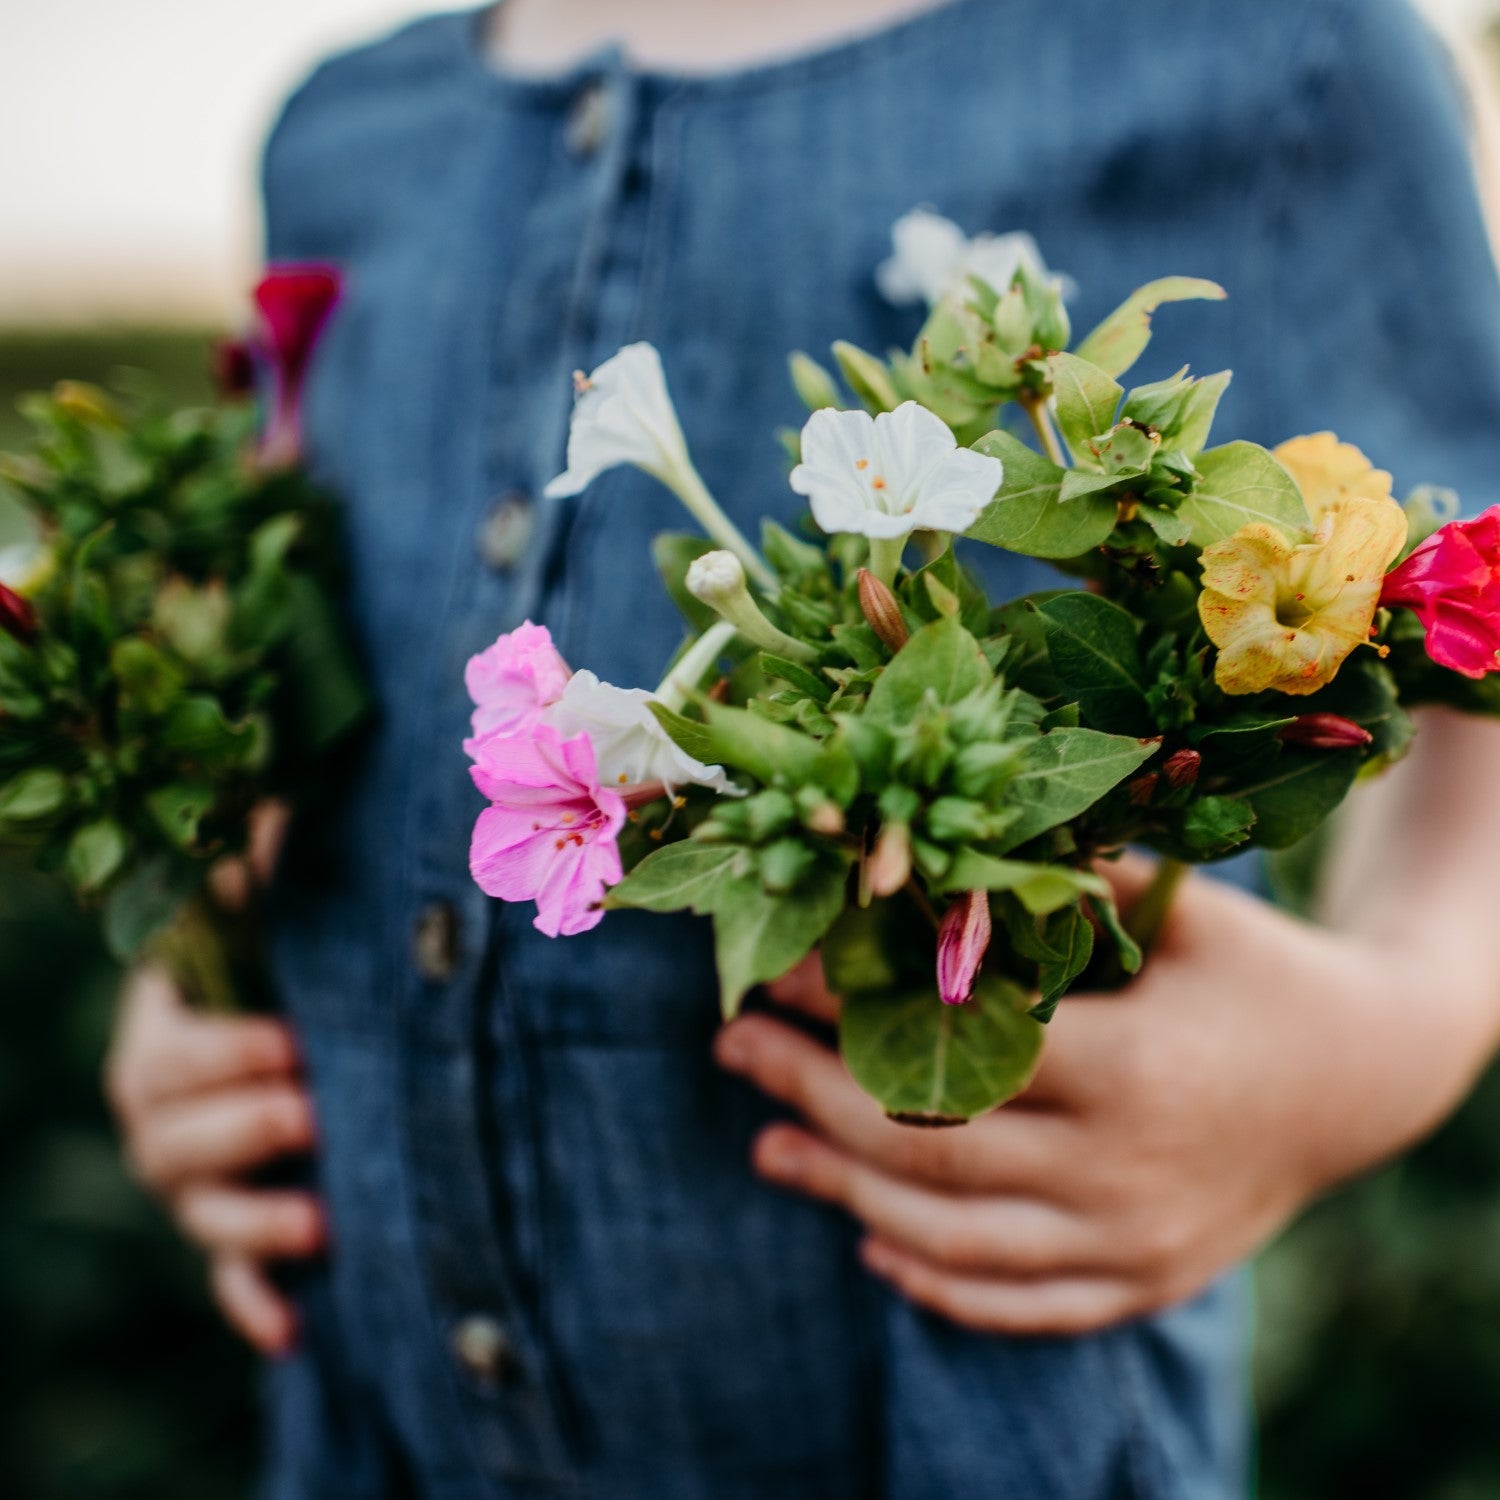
882,611
1143,789
17,617
890,861
1451,582
1182,769
1325,732
295,303
963,940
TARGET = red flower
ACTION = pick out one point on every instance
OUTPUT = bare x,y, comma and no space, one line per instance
1452,584
295,303
17,617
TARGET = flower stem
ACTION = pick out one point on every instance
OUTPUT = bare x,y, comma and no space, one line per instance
687,484
1035,408
695,661
1145,921
885,557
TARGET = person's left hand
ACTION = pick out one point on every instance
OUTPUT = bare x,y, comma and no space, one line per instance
1171,1129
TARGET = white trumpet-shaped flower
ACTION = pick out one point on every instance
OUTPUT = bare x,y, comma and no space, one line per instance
630,746
624,415
933,257
887,476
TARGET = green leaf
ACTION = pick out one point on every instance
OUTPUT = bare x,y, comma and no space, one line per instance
1238,484
1027,515
143,902
179,810
1122,337
1041,889
33,795
1070,935
759,936
95,854
942,659
1108,913
1215,825
1087,399
1297,792
686,734
1095,654
686,876
1065,773
933,1064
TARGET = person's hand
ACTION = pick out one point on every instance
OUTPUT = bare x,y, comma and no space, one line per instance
205,1100
1171,1128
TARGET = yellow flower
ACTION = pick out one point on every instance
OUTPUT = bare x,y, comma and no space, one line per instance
1328,471
1286,615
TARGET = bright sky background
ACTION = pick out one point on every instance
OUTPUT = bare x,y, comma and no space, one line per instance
129,133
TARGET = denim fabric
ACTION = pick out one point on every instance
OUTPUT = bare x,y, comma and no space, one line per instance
531,1131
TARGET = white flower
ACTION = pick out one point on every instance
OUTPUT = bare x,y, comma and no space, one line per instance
887,476
933,258
630,747
25,566
718,579
715,576
623,415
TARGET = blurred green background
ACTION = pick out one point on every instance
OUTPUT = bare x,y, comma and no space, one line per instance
1378,1361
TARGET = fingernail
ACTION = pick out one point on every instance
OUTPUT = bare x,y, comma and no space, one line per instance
733,1049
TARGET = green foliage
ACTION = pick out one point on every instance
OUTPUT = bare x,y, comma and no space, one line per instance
190,659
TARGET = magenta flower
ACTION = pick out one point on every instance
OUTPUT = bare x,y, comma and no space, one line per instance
1326,732
549,834
963,938
1451,582
513,681
295,303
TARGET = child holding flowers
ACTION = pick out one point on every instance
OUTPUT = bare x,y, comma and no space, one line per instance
551,1267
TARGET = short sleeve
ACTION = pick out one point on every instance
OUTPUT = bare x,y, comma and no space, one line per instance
1378,278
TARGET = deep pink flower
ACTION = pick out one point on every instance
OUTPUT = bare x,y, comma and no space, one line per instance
1451,582
550,832
963,938
295,303
232,368
513,681
17,617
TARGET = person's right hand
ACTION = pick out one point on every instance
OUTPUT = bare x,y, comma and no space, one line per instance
204,1100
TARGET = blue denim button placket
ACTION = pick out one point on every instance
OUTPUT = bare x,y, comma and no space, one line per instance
467,1112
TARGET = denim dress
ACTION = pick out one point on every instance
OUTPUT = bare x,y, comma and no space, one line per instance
552,1272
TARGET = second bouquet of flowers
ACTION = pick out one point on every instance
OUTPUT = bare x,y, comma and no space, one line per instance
857,751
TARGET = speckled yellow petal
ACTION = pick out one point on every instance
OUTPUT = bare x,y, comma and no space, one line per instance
1328,471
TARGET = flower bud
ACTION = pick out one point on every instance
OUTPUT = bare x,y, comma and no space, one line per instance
1325,732
1182,769
963,939
1143,789
890,861
232,369
718,580
819,812
17,617
882,611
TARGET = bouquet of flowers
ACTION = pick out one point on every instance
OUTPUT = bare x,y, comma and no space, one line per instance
857,751
171,652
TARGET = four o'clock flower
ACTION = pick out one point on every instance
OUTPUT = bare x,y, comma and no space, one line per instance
933,258
1451,582
886,476
631,747
963,938
624,415
549,834
295,303
718,580
515,680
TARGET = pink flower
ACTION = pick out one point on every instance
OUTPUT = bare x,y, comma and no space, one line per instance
549,834
1326,732
295,303
963,938
1451,582
514,681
